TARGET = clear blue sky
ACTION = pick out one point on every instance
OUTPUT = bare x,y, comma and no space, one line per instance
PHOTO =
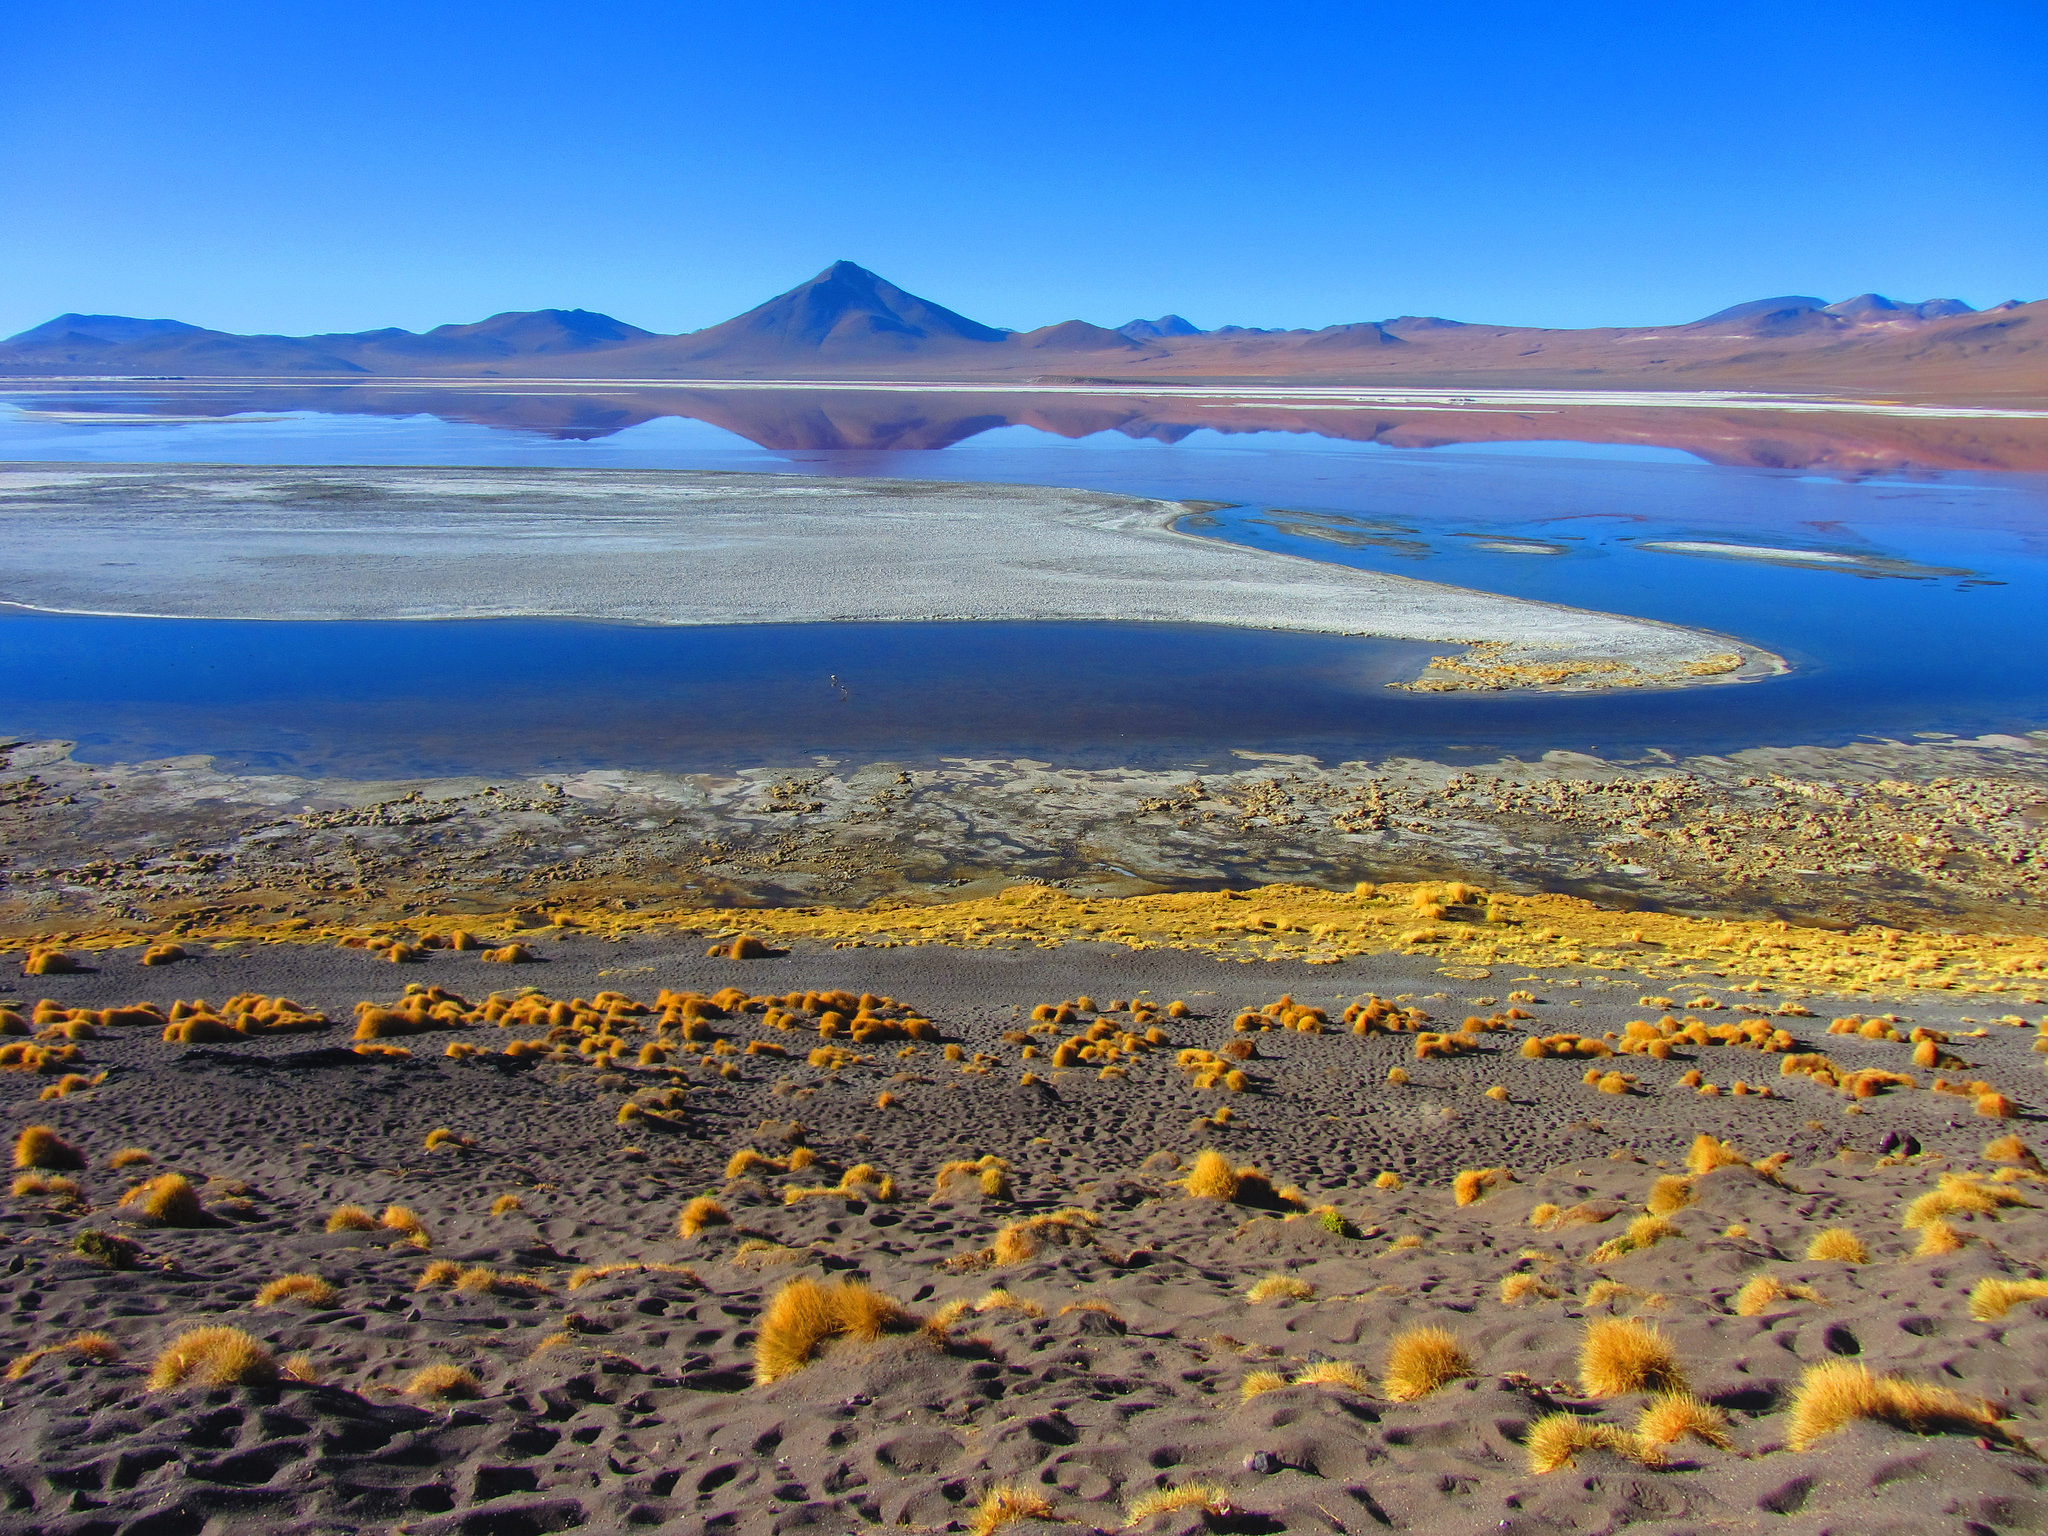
325,166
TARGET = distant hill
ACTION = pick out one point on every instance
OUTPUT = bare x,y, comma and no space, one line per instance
848,323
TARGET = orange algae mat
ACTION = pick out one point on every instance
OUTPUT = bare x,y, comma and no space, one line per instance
1466,929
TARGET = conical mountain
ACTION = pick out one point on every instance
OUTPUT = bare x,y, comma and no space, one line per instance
845,314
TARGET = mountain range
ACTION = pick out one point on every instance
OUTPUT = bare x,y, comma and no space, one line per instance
848,323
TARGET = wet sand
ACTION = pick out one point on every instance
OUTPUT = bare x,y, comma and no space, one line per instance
1089,1365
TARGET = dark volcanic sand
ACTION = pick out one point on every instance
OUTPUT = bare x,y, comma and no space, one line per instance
647,1415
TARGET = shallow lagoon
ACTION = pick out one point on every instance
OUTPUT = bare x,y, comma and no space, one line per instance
1931,629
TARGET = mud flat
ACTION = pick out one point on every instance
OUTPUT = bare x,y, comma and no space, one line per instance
509,1266
710,548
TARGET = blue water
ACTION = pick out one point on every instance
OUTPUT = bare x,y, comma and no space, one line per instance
1886,655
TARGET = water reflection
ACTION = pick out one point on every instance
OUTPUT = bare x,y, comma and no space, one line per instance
1842,443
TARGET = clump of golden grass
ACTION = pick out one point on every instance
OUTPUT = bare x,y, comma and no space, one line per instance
1026,1239
1671,1417
1421,1360
863,1181
1760,1292
1709,1152
48,1186
1838,1243
1475,1184
505,1205
1958,1195
1991,1298
699,1214
1210,1498
1256,1383
350,1218
1518,1288
804,1316
310,1289
991,1174
1625,1354
591,1273
406,1223
1280,1288
1670,1193
213,1357
39,1146
441,1136
1838,1392
1005,1504
97,1348
1644,1232
131,1157
1212,1177
1555,1440
2010,1149
1937,1238
441,1383
169,1200
1386,1179
1995,1106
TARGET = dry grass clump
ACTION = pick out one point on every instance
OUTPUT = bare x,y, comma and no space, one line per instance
2010,1149
1555,1440
1995,1106
1671,1417
1958,1195
1518,1288
863,1181
1709,1152
990,1174
96,1348
441,1136
1210,1498
1386,1179
1937,1238
1838,1243
131,1157
699,1214
1026,1239
442,1383
1620,1355
506,1205
1256,1383
1475,1184
39,1146
804,1316
406,1223
46,1186
310,1289
1280,1288
350,1218
168,1200
1838,1392
213,1357
1991,1298
1644,1232
1760,1292
1670,1193
1421,1360
1005,1504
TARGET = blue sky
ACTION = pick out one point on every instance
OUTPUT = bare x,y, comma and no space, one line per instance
323,166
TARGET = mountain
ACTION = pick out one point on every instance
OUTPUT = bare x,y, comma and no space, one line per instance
1158,330
849,324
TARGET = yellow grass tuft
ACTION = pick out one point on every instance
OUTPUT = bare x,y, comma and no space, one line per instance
1518,1288
131,1157
1995,1106
1335,1373
699,1214
1545,1214
1670,1193
1387,1180
1993,1297
1624,1354
1026,1239
2010,1149
97,1348
406,1223
1280,1288
1937,1238
1210,1498
350,1218
310,1289
39,1146
1644,1232
1838,1392
1555,1440
1958,1195
441,1136
1422,1360
1670,1417
1838,1243
505,1205
590,1273
1212,1177
441,1383
1005,1504
1761,1292
1259,1382
169,1200
1475,1184
805,1315
1708,1153
213,1357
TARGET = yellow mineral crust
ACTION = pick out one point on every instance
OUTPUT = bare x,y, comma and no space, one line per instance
1460,925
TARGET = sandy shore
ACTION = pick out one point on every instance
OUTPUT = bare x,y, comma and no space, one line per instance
695,547
1086,1361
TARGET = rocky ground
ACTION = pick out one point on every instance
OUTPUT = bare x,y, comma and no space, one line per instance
1934,834
592,1368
